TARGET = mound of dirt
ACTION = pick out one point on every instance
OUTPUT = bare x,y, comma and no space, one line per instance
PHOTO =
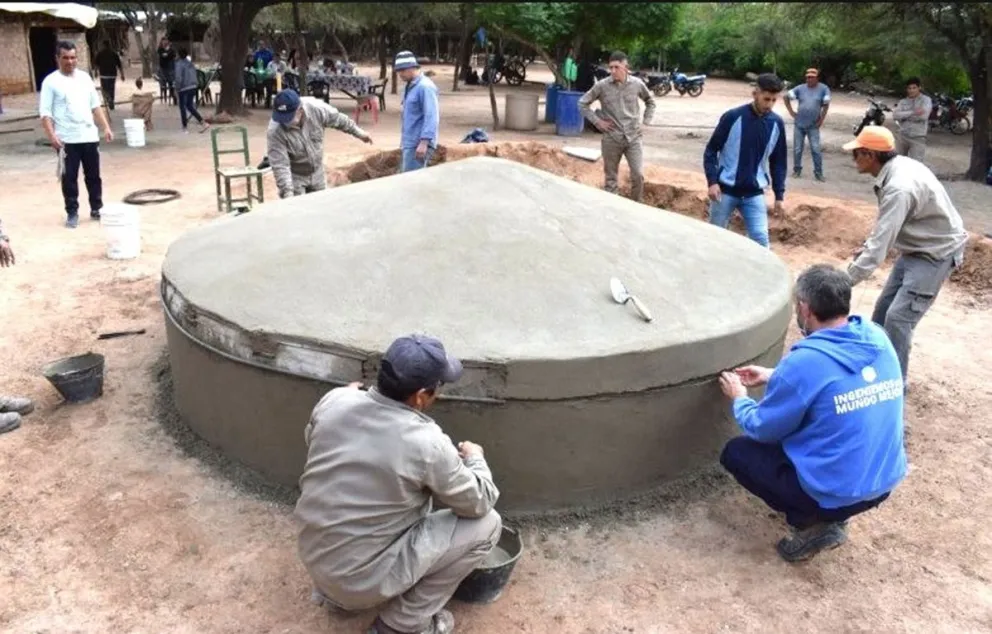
833,229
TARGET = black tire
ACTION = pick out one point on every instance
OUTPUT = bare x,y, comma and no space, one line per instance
860,127
662,89
960,126
694,90
151,196
515,73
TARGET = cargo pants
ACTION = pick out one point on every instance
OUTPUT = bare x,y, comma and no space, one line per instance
309,183
910,291
915,147
613,150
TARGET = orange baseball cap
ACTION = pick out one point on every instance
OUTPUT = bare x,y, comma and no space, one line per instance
873,137
812,72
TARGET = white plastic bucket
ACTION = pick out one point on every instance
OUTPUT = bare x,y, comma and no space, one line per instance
134,132
122,227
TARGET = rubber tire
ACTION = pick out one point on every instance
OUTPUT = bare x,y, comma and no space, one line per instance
695,90
662,89
515,73
960,126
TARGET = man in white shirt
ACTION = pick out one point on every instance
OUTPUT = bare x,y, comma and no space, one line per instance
69,108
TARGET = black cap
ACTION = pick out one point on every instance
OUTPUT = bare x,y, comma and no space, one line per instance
417,362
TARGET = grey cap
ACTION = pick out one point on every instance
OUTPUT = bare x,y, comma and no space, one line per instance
418,362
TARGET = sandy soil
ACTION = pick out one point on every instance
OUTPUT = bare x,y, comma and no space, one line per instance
112,518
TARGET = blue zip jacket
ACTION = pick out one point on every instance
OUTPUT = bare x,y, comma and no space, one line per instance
836,405
743,143
421,113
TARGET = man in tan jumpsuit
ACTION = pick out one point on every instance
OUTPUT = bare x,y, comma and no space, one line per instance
620,95
375,462
913,115
296,141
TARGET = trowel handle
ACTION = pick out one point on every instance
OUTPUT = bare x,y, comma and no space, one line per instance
641,308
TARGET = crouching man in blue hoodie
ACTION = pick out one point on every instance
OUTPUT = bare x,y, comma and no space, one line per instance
826,441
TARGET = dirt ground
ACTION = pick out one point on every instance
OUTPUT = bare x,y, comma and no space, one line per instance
113,519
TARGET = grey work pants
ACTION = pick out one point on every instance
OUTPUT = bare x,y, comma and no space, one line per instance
613,149
915,147
911,289
308,184
470,543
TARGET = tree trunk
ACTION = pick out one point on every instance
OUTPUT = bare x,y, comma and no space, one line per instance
396,44
464,51
340,45
981,88
235,20
492,94
302,59
383,53
146,60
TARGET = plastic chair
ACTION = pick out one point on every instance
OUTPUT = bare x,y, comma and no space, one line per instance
367,102
245,170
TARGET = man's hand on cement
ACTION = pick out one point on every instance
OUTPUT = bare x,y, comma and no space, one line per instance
467,449
753,375
731,385
714,193
6,254
422,150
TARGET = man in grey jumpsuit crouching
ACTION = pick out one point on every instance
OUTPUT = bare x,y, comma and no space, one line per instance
370,536
916,218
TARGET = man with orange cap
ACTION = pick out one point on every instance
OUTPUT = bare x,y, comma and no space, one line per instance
917,218
814,101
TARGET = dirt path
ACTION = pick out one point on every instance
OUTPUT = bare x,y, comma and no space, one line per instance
110,522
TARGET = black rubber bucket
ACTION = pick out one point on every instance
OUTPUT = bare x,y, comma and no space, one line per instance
485,584
78,379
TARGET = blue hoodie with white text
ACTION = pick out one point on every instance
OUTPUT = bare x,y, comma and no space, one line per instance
835,403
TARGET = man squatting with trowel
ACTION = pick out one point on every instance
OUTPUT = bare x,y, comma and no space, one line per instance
619,120
11,407
375,460
296,141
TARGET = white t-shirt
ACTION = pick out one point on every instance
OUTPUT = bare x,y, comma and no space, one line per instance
69,101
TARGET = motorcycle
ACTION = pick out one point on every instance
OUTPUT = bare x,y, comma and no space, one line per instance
682,83
658,83
874,115
947,115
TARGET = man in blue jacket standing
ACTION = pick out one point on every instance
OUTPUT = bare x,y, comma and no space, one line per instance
748,141
826,441
421,114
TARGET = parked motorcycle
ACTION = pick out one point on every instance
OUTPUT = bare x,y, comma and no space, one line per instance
682,83
874,115
946,115
658,83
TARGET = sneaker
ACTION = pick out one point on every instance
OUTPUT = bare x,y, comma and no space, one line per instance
441,623
204,127
95,215
72,221
9,422
797,174
16,404
820,178
804,544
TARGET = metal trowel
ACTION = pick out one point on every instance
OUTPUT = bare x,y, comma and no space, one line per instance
621,296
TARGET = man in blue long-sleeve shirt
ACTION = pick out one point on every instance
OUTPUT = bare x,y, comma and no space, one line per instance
826,441
748,140
421,114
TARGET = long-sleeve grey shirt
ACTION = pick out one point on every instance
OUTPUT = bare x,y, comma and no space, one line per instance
300,149
373,466
912,115
915,216
621,103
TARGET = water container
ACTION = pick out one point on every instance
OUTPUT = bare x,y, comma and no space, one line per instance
521,111
568,119
134,132
550,102
122,227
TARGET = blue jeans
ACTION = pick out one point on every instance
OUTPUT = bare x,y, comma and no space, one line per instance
409,161
765,471
754,210
799,144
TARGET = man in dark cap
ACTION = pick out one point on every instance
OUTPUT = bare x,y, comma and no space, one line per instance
295,141
375,461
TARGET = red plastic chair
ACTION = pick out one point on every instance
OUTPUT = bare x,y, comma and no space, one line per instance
367,102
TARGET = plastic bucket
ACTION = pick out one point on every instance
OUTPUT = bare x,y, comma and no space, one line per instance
485,584
122,227
521,111
550,102
134,132
568,119
78,379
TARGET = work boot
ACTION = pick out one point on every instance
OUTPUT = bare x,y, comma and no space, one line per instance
9,421
441,623
95,214
797,173
803,544
820,178
16,404
72,221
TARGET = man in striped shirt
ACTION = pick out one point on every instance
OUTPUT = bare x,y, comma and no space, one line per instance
748,141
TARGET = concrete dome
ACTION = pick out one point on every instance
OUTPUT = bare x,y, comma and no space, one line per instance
576,400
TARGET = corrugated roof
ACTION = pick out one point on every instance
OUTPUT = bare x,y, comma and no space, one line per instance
81,14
